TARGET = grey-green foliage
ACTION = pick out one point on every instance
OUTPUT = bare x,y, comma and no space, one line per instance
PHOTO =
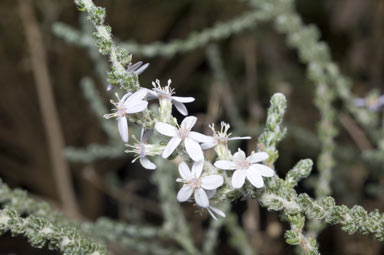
279,194
274,131
355,219
300,171
177,46
139,238
283,197
42,226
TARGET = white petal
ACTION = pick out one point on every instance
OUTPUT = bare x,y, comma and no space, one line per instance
141,69
133,67
183,99
380,100
146,163
225,164
193,149
255,178
238,178
122,124
210,193
151,95
184,193
137,106
200,137
374,107
197,168
188,122
171,146
258,157
212,181
239,138
206,146
138,95
145,135
217,211
263,170
165,129
125,97
184,171
211,213
181,108
359,102
201,198
239,155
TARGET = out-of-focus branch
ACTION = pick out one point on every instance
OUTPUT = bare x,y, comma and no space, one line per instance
357,134
90,175
46,99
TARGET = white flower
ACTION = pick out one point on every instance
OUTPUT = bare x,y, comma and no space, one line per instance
247,167
190,138
195,184
221,137
141,150
373,102
165,93
129,103
137,68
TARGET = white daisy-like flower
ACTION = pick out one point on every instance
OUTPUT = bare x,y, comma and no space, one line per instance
141,149
373,102
190,138
221,137
247,167
128,104
197,185
165,93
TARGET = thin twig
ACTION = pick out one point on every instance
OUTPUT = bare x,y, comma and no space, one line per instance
358,135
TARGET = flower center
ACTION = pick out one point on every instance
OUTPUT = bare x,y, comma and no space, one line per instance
183,133
121,109
372,101
243,164
163,95
221,139
195,183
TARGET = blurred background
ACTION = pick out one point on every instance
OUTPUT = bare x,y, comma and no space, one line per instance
256,63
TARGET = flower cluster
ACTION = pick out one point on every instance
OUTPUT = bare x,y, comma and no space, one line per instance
201,182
